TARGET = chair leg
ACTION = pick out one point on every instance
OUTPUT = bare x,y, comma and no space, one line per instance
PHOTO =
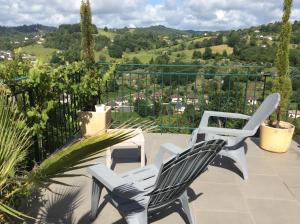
239,157
137,218
96,192
186,208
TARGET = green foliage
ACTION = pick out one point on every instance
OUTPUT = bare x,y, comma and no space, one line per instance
208,54
295,57
14,142
14,37
101,42
255,54
10,70
197,54
87,41
282,83
43,96
191,116
64,38
115,51
142,107
233,38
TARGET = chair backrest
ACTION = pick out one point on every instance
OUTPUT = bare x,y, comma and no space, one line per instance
179,172
263,112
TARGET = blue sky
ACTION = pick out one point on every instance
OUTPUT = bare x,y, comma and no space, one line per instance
154,1
181,14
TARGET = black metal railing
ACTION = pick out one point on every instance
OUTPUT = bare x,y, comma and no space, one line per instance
174,96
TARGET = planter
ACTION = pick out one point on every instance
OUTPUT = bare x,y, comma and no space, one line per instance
276,139
92,123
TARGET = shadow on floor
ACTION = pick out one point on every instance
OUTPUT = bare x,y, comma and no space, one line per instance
58,208
154,216
125,155
228,163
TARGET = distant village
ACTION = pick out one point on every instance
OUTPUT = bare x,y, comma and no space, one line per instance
9,55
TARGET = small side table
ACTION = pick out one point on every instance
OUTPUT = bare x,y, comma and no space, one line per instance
137,141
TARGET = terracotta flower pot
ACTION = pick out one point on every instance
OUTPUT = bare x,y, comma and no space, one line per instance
92,123
276,139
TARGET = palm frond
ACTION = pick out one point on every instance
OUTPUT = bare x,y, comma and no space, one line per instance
14,140
12,212
78,155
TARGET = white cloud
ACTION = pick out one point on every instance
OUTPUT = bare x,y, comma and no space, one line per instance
183,14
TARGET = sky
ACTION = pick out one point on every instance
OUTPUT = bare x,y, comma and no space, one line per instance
202,15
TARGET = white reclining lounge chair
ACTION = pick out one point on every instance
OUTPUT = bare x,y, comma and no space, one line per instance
235,137
155,186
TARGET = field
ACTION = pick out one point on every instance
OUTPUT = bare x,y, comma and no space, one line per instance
185,55
108,34
43,54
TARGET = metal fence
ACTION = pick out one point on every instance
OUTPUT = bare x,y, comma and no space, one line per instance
173,96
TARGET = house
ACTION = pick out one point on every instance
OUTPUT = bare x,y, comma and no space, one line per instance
269,38
112,104
256,31
192,99
251,100
125,109
179,108
120,101
29,57
140,96
5,55
176,99
157,95
294,113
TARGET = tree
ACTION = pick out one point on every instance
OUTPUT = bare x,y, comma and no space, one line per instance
142,107
224,54
115,51
105,29
233,38
87,41
197,54
282,83
135,60
207,53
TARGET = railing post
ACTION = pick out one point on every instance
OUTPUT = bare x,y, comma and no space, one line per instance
36,147
264,88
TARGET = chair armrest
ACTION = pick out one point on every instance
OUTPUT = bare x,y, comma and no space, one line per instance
228,131
106,176
166,148
208,114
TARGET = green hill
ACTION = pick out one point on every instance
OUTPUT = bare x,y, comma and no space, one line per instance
43,54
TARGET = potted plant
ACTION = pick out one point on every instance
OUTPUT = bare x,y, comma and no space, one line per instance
276,135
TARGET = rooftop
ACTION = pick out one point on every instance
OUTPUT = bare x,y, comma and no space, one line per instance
220,195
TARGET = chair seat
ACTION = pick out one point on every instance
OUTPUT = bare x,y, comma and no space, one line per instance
143,178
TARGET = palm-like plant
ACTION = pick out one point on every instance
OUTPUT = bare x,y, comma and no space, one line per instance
14,142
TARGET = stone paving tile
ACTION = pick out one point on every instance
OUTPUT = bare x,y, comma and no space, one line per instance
218,175
290,175
259,165
218,197
274,211
224,217
271,195
262,186
296,193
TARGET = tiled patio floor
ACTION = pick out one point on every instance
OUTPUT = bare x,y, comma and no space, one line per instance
270,196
